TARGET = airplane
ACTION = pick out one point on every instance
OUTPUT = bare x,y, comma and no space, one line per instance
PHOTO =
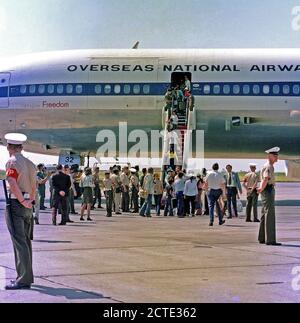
246,100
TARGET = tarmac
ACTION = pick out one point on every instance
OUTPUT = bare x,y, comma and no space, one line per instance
128,258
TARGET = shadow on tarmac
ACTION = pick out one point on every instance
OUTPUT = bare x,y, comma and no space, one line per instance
68,293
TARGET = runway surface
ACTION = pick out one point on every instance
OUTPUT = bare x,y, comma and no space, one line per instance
132,259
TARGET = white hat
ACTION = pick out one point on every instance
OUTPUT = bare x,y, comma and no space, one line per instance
252,165
274,151
15,138
132,170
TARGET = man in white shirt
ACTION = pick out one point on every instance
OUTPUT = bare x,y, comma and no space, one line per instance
174,119
215,183
187,83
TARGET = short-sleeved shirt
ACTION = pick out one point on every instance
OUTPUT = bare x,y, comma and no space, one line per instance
251,179
107,184
268,172
116,181
134,181
215,180
24,172
87,181
124,179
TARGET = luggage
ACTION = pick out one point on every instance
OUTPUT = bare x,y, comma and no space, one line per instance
239,206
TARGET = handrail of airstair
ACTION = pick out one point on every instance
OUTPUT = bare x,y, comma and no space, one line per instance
191,125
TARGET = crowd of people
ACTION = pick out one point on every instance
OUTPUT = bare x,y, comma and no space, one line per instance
127,190
178,99
123,188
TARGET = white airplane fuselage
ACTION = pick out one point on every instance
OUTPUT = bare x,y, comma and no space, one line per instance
246,100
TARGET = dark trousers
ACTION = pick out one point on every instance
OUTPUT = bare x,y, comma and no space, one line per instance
125,201
51,198
180,203
135,199
252,203
231,200
267,230
19,224
206,211
97,195
189,202
142,201
213,197
157,199
109,202
168,207
60,201
42,193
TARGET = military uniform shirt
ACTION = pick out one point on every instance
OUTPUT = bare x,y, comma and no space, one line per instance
268,172
107,184
116,181
251,179
124,179
134,181
24,172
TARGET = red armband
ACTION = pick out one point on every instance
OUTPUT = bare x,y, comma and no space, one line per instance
11,172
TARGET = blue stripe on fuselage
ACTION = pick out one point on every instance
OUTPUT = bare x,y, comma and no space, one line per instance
4,92
232,89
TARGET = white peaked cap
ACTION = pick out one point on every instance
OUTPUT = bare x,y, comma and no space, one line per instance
274,150
15,138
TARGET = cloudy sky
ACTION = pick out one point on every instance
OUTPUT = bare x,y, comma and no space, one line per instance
40,25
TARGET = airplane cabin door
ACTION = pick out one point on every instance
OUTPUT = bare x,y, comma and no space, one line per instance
4,90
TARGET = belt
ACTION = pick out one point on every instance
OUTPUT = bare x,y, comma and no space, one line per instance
25,195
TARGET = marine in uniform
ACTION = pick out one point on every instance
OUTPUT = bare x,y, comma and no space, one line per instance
267,231
108,192
134,189
117,189
124,177
250,183
21,177
97,188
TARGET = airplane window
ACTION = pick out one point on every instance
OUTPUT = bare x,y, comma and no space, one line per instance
69,89
60,89
286,89
266,89
217,89
296,89
32,89
236,89
256,89
206,89
23,89
146,89
127,89
276,89
98,89
117,89
107,89
79,89
136,89
50,89
246,89
41,89
226,89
